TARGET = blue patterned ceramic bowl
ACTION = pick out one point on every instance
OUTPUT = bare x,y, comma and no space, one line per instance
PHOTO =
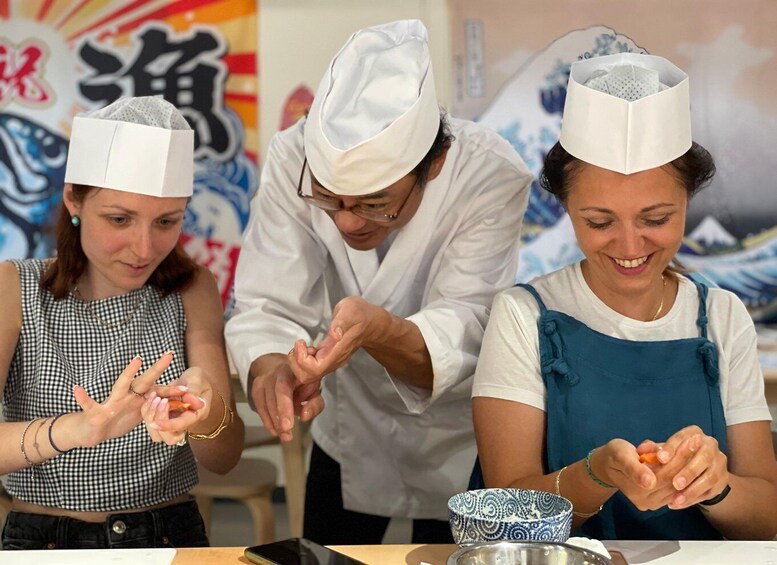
495,514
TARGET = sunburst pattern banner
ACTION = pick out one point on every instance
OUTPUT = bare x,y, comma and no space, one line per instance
62,57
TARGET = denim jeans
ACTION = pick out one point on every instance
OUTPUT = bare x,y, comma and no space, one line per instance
178,525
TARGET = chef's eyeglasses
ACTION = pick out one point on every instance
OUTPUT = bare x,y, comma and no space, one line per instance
371,212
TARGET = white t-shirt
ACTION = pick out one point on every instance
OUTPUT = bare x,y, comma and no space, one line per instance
509,363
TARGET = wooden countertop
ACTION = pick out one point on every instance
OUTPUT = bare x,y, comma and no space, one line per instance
663,552
378,554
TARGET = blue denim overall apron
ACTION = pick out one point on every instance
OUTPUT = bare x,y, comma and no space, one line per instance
600,387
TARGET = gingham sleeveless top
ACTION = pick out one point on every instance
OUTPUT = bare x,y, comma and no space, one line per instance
67,342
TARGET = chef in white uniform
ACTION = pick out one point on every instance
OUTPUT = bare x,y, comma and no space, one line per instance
380,234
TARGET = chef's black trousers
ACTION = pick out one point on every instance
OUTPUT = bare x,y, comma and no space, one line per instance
328,523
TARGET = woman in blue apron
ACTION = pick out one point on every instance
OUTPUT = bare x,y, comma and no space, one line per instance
589,370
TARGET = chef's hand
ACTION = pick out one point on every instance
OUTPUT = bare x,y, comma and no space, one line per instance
278,394
354,323
193,388
693,466
120,413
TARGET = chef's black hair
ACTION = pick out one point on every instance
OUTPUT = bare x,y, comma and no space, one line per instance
441,142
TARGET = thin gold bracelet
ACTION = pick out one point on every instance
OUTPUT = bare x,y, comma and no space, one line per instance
21,443
578,514
226,421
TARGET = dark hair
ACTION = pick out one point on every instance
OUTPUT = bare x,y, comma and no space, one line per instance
441,142
694,169
173,274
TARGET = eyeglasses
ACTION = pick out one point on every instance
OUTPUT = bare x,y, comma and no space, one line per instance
371,212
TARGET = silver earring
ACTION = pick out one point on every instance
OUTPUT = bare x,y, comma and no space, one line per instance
75,220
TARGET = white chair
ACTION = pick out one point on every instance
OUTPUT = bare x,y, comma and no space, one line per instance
251,482
294,468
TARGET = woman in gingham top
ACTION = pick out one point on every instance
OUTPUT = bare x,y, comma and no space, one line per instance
98,345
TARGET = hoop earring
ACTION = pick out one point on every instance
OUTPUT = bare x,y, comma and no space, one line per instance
75,220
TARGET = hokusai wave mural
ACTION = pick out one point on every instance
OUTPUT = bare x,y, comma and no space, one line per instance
732,236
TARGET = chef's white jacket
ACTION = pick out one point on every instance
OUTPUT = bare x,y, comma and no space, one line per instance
403,450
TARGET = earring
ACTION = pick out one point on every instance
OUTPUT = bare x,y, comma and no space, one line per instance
75,220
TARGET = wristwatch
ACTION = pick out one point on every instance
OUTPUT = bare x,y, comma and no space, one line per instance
715,499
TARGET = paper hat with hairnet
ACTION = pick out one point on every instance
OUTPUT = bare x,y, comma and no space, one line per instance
627,112
142,145
375,114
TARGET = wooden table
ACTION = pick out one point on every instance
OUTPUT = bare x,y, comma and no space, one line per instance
643,552
377,554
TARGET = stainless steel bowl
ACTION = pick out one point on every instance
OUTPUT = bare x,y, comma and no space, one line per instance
525,553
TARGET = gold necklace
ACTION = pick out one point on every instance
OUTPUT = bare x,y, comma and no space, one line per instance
104,323
661,305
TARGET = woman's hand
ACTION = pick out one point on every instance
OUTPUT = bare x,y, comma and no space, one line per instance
693,466
617,464
169,426
648,487
120,413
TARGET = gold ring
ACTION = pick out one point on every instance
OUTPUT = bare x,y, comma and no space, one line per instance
136,393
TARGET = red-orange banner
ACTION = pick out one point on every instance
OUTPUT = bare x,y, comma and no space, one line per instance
61,57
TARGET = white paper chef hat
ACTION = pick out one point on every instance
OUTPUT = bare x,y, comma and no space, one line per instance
627,112
142,145
375,114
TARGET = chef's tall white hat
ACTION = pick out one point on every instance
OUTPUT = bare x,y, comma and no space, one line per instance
142,145
375,114
627,112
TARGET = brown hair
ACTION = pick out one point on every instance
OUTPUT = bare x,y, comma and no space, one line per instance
694,169
173,274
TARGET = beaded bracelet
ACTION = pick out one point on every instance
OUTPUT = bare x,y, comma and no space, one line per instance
579,514
51,439
226,421
590,472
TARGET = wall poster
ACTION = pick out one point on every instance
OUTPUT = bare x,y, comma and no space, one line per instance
62,57
511,64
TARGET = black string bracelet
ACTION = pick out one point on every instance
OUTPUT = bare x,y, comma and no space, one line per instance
51,439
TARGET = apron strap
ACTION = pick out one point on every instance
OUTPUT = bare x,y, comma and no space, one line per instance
701,319
707,351
533,291
551,347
